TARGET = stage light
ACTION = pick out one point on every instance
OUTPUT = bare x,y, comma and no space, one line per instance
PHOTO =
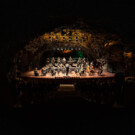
76,38
50,39
67,51
63,38
69,38
83,39
56,38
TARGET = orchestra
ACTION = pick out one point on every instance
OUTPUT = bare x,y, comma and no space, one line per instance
66,66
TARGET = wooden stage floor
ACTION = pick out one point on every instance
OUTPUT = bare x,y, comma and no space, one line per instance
30,74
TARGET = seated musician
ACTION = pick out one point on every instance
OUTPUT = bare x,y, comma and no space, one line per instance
67,68
48,61
58,60
82,69
91,69
63,69
70,60
79,60
91,63
87,64
46,68
53,71
50,66
64,61
43,71
77,69
100,70
53,61
84,61
70,68
58,69
61,66
78,63
36,72
87,68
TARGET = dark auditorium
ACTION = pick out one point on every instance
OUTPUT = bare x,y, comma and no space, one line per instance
67,67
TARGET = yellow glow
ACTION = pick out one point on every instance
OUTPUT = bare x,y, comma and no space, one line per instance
129,54
67,51
111,43
75,33
106,44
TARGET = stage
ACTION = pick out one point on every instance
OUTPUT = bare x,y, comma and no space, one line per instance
30,74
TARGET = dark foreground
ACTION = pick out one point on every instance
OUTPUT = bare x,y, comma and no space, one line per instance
70,115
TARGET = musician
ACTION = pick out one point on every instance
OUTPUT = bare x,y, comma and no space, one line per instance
100,70
77,69
63,69
43,71
64,61
48,61
70,60
53,71
67,69
46,68
53,61
58,69
84,61
91,69
61,66
81,71
79,60
58,60
70,68
87,68
91,63
50,67
36,72
87,64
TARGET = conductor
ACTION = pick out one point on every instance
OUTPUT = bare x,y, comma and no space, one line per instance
67,69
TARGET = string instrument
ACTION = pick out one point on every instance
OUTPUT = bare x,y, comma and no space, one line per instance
88,69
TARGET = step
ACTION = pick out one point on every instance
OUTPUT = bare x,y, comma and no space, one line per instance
66,87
